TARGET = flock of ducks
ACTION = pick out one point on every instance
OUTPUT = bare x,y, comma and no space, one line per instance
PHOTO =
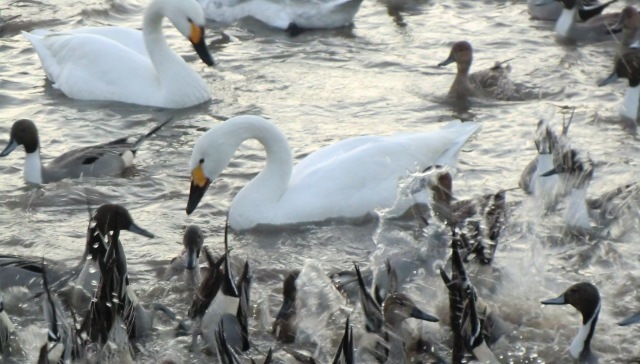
91,311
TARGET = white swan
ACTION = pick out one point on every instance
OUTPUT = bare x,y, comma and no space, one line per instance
348,179
291,15
121,64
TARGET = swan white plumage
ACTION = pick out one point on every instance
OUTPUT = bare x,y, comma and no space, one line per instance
292,15
128,65
348,179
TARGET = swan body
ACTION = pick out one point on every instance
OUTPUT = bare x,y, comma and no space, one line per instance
348,179
128,65
283,14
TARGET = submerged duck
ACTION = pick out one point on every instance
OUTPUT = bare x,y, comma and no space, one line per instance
552,10
128,65
493,82
98,160
568,27
548,143
627,66
7,329
293,16
348,179
284,326
187,263
345,352
605,210
585,298
385,320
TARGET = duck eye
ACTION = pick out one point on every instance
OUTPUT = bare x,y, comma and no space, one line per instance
201,160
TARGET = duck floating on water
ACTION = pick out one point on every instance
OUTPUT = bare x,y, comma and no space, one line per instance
187,264
98,160
595,29
349,179
553,9
585,298
627,66
128,65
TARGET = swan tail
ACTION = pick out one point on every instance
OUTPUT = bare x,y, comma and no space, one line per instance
37,38
463,131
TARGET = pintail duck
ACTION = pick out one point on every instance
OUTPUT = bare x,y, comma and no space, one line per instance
548,189
187,263
629,25
114,303
494,82
604,210
473,324
128,65
385,320
349,179
552,10
627,66
284,326
481,220
27,272
345,352
293,17
98,160
229,306
568,27
585,298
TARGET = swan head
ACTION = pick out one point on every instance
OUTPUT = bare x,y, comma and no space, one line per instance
211,154
187,16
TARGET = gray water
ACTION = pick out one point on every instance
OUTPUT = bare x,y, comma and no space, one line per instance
378,77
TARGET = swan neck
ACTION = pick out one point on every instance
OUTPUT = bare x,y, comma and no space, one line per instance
159,52
33,168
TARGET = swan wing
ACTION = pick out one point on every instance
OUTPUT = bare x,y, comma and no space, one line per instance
90,66
353,177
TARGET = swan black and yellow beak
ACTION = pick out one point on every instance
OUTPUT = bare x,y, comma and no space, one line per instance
197,40
199,185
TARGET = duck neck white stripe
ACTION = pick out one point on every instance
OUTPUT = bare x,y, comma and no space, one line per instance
629,107
577,213
566,21
33,167
580,341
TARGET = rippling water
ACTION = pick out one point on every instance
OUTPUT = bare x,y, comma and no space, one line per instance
378,77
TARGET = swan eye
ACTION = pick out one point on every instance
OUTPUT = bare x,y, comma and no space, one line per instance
201,160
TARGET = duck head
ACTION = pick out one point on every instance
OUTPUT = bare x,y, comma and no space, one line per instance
629,20
578,168
398,307
23,132
187,16
192,241
113,217
627,66
462,54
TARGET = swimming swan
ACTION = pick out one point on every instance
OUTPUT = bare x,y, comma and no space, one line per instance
348,179
293,16
127,65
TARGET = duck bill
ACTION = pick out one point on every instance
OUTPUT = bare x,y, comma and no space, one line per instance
630,320
192,258
613,77
555,301
421,315
9,148
551,172
447,61
197,40
140,231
